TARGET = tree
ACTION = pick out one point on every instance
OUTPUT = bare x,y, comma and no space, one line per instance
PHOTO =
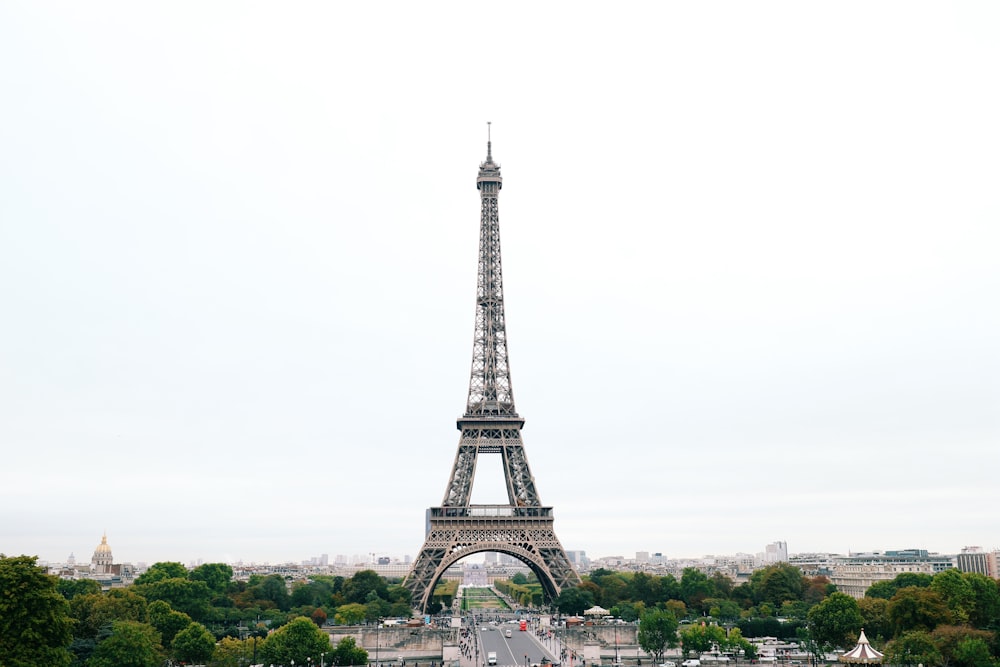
736,642
190,597
357,588
194,644
95,610
875,615
677,608
35,627
986,610
913,648
700,638
574,601
271,589
695,587
836,621
657,632
778,583
70,588
886,589
957,593
948,639
973,652
349,614
161,571
131,644
300,640
722,609
215,575
914,608
642,588
348,653
232,652
318,617
167,621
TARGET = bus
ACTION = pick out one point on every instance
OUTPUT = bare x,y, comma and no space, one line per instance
524,626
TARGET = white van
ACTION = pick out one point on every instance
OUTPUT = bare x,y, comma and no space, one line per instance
491,658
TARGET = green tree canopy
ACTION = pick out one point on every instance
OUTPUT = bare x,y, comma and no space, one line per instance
913,648
167,621
95,610
348,653
160,571
778,583
574,601
215,575
957,593
886,589
914,608
357,588
298,641
657,632
190,597
70,588
194,644
35,626
131,644
875,615
836,621
699,638
350,614
695,587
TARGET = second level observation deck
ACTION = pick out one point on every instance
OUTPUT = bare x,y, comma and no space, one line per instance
491,512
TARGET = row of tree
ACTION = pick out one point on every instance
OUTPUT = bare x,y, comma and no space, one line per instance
778,590
949,618
172,613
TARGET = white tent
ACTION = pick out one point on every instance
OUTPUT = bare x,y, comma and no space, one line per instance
596,611
862,654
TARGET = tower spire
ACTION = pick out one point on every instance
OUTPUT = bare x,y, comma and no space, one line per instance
490,392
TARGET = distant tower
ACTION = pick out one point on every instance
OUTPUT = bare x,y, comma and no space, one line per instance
522,528
101,561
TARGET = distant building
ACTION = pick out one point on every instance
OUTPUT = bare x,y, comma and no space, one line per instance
776,552
641,557
474,574
102,561
974,559
855,573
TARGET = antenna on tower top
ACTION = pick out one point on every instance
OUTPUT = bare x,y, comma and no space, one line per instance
489,142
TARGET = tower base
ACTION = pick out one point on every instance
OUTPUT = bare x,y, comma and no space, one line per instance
522,532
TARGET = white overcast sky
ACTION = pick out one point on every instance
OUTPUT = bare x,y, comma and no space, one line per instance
751,259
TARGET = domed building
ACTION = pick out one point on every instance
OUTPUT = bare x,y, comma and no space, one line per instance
102,562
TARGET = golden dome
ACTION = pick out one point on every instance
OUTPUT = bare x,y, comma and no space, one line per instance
103,547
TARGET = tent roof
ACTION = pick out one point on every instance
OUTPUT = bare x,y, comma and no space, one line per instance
596,610
863,653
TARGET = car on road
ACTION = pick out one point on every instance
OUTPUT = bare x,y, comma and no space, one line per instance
508,633
668,663
691,663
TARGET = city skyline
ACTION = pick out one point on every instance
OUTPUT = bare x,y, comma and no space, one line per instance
749,268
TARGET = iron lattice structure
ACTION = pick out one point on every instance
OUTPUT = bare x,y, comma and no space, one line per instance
490,425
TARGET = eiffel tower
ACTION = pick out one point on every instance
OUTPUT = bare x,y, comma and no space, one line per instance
523,527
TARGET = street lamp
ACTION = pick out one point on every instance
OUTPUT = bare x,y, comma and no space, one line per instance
322,659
